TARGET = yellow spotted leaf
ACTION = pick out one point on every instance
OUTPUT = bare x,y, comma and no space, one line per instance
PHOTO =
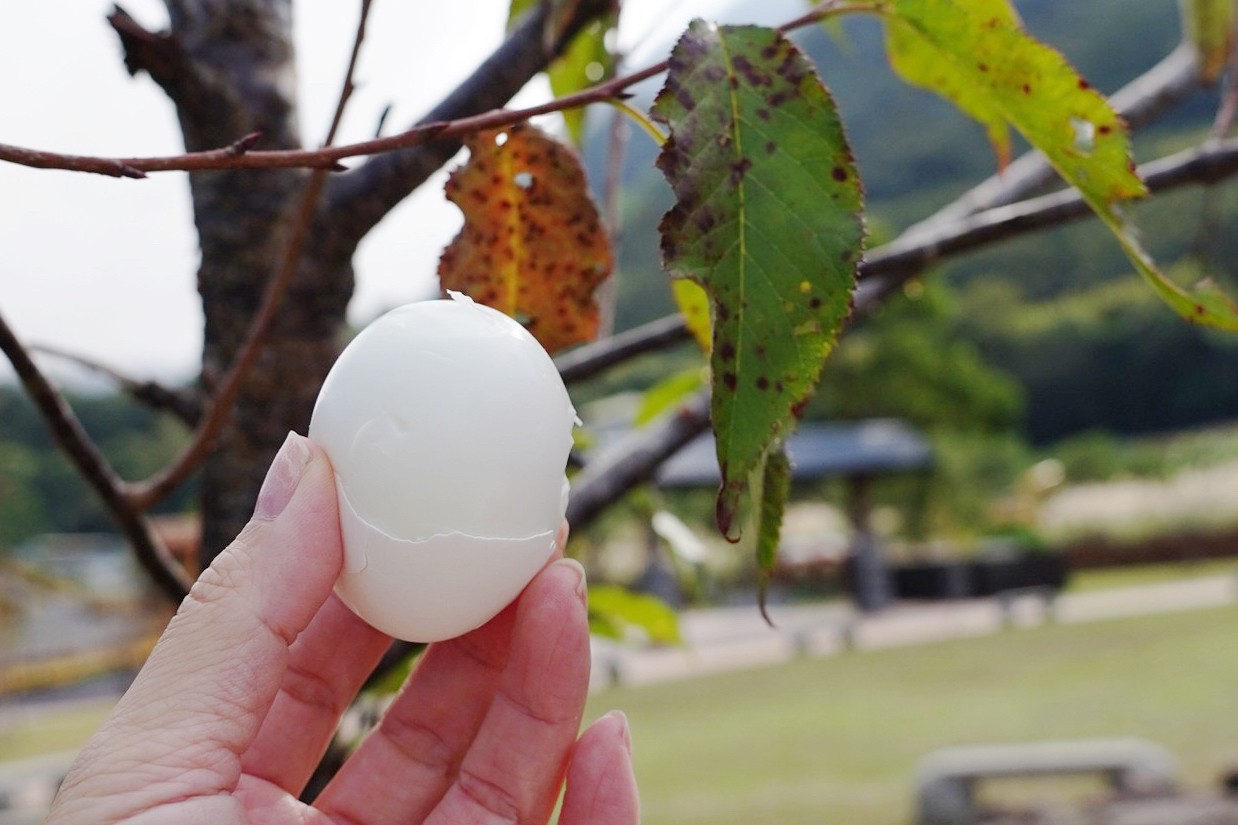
693,303
532,245
1208,25
976,53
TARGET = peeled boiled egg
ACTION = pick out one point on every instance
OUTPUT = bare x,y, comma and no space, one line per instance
449,430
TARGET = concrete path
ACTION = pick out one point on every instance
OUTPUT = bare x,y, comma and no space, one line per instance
734,638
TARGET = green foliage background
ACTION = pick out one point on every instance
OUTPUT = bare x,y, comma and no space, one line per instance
41,492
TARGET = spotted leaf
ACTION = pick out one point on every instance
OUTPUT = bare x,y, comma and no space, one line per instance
767,218
975,53
1208,26
775,490
532,244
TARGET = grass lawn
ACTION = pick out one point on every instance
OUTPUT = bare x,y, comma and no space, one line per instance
1103,578
836,740
24,733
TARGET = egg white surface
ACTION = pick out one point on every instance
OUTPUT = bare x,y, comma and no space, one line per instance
449,429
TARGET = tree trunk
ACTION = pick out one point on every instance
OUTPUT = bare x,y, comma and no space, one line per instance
228,65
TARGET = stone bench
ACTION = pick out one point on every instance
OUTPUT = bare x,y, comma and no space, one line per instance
946,778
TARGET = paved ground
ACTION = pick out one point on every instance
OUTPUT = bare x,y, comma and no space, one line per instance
734,638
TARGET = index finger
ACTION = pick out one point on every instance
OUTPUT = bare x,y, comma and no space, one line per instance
516,762
201,696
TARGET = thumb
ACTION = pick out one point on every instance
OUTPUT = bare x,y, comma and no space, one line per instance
201,697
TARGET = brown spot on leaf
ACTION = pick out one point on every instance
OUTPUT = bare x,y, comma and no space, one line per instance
752,74
738,169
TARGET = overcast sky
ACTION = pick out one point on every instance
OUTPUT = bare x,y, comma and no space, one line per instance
106,267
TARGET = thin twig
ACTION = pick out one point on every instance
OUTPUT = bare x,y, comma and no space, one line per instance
153,395
329,158
75,442
220,407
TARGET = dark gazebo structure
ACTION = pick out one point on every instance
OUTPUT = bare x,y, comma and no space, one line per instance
856,451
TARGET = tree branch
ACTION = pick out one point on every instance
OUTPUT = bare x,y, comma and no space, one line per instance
1139,102
204,100
633,460
590,359
67,430
891,265
220,406
153,395
367,193
160,55
361,198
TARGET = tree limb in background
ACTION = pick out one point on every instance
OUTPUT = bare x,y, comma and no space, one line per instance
1139,102
891,265
359,199
185,407
220,404
589,360
76,443
210,114
633,460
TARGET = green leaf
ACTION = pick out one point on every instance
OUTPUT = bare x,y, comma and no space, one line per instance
1205,304
775,488
975,53
1208,25
585,62
615,611
922,44
767,219
668,392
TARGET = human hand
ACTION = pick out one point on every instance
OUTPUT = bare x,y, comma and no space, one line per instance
240,697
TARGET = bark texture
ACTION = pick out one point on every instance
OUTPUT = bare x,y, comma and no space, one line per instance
229,67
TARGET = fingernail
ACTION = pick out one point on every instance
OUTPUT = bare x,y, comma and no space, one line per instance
282,478
582,589
625,731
